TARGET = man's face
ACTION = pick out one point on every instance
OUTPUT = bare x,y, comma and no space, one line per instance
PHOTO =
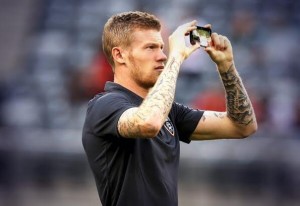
146,57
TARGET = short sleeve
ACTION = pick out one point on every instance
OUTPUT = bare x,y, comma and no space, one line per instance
186,120
104,113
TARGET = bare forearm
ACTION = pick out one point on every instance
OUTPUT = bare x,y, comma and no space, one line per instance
146,120
161,96
239,108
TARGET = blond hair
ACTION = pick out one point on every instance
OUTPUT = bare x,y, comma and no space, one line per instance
119,28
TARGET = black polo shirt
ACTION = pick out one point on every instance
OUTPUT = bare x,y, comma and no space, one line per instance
134,172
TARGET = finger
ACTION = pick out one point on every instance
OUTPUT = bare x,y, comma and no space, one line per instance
215,40
222,42
207,26
189,24
226,42
194,48
192,23
209,50
190,27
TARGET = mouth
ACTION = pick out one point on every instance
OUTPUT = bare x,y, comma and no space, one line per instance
159,68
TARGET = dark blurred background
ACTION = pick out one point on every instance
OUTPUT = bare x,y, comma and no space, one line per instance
51,65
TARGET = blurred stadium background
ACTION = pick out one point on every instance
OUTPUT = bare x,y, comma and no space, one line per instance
51,66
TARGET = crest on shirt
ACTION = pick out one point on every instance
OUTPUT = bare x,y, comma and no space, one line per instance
169,126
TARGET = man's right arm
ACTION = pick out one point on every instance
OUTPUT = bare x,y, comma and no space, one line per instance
146,120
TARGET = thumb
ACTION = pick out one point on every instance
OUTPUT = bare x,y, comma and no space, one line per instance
193,48
209,50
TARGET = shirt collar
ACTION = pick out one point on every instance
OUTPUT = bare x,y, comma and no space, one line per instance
115,87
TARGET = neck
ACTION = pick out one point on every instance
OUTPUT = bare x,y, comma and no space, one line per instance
132,86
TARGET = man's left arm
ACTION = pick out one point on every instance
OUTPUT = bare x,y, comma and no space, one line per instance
239,119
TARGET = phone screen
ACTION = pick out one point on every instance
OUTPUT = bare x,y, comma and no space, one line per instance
202,35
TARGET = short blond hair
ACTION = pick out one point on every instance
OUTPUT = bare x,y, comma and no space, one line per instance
119,28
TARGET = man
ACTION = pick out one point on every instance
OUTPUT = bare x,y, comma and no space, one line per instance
132,131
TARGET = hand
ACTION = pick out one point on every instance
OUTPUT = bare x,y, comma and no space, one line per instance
177,45
220,51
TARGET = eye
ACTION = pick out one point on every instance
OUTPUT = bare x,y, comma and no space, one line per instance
151,47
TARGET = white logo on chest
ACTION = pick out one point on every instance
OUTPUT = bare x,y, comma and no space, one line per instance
169,126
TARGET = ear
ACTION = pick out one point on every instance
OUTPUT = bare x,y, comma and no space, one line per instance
118,55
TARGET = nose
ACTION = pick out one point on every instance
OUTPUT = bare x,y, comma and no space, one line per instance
162,56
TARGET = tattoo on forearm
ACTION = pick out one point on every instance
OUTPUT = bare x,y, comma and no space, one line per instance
219,115
158,101
203,117
239,107
162,94
128,128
